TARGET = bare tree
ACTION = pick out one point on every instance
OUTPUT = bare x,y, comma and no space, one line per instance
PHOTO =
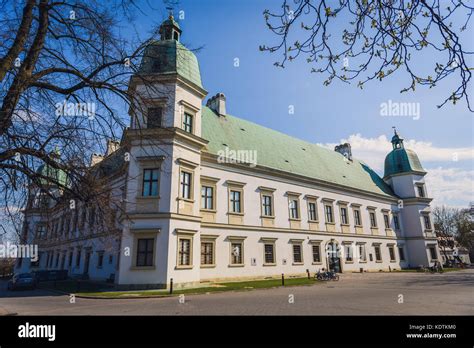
365,40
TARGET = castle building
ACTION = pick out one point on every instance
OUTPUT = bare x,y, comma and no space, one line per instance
206,196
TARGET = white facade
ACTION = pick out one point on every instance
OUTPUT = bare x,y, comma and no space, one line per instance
170,235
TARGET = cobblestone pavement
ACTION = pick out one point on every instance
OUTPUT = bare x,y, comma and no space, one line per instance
355,294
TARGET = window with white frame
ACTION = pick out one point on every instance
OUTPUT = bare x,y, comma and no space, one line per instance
357,219
186,184
207,197
145,249
391,252
373,219
378,253
236,253
344,217
312,211
427,221
188,122
207,252
316,249
269,253
150,182
329,213
386,220
184,251
154,117
362,252
236,201
267,205
348,252
294,209
396,222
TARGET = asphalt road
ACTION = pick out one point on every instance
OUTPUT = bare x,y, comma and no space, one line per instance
355,294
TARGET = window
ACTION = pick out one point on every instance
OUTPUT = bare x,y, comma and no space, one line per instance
100,259
329,216
357,220
186,185
378,255
70,259
154,116
111,258
348,252
386,220
391,252
41,231
145,252
235,201
207,253
91,217
433,253
401,253
421,191
316,253
150,182
207,197
297,253
373,220
396,222
362,253
56,264
344,218
427,222
267,208
236,253
294,214
188,122
269,256
184,254
313,215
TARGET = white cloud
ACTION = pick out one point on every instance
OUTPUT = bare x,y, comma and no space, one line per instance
373,150
448,185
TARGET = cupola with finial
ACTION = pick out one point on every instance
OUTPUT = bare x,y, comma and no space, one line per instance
170,30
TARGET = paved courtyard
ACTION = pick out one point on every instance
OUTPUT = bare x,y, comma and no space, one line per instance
355,294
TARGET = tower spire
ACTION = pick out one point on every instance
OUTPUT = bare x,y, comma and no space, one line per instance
397,141
169,29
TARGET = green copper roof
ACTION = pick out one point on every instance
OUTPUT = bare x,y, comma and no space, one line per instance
171,57
402,160
56,175
281,152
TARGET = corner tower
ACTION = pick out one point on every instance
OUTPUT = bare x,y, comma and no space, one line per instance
163,180
405,174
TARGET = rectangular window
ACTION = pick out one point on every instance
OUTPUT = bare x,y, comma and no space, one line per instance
188,122
396,222
41,231
70,259
294,214
78,257
186,185
362,253
150,182
378,255
329,216
207,253
235,202
145,252
269,253
348,252
391,252
100,259
386,220
316,253
297,253
421,191
154,116
267,208
313,215
433,253
184,252
427,222
207,197
373,220
236,253
401,253
357,220
344,218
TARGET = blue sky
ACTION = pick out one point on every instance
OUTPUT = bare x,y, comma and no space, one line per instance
262,93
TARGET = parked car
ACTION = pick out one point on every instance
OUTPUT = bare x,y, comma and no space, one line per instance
22,281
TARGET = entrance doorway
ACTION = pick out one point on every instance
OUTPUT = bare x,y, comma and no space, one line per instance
333,256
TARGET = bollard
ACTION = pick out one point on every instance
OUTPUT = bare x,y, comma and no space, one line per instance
171,286
282,279
309,275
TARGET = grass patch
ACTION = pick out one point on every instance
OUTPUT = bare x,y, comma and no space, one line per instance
233,286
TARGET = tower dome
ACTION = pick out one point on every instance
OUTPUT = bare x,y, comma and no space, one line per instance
168,56
48,172
401,160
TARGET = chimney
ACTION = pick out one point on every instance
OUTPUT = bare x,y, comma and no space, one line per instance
217,104
345,150
96,158
112,146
